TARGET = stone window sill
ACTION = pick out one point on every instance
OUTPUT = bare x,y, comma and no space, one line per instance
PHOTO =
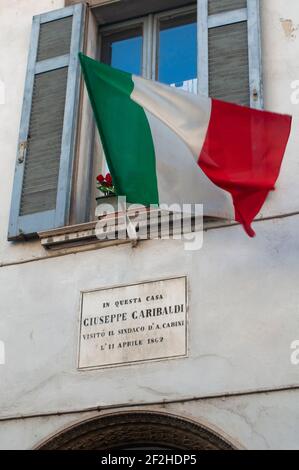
85,234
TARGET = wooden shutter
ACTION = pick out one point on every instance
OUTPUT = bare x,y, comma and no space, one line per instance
229,62
42,183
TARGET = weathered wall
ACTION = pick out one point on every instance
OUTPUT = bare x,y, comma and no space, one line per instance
243,293
243,316
263,421
280,45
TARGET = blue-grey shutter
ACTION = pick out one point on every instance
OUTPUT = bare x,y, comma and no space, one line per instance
229,63
43,173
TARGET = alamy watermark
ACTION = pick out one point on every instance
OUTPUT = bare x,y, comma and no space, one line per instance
295,93
295,352
137,222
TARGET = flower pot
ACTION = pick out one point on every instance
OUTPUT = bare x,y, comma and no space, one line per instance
115,207
110,200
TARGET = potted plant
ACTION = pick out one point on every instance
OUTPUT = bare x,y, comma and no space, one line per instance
106,187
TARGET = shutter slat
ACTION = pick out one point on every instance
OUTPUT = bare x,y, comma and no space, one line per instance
221,6
45,136
228,63
54,39
41,201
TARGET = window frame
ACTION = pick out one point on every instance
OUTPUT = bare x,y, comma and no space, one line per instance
150,23
75,135
150,35
166,15
126,25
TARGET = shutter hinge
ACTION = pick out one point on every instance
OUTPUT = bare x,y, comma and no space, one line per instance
22,151
255,94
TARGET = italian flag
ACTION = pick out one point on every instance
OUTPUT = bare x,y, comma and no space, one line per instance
165,145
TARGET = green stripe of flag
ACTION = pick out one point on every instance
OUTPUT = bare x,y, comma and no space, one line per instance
124,131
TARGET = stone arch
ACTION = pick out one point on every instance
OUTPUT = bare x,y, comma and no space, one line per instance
144,429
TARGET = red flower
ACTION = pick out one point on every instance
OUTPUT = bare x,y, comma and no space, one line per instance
100,178
109,180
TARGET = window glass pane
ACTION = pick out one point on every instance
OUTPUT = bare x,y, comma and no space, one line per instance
123,50
177,52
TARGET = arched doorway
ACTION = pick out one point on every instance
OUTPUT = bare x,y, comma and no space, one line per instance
137,429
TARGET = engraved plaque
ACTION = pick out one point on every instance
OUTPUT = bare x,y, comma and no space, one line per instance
134,323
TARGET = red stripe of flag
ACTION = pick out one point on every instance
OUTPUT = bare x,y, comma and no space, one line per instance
242,154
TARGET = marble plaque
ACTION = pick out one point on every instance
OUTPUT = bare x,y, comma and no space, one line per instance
133,323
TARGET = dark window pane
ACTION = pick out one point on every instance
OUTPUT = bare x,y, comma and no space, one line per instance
177,52
123,50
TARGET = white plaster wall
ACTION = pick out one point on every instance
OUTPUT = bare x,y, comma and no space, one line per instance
243,297
255,422
280,48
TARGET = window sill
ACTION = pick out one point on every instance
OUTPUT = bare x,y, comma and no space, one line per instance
75,235
86,234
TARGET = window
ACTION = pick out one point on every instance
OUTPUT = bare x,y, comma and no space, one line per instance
160,47
176,51
211,47
123,50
